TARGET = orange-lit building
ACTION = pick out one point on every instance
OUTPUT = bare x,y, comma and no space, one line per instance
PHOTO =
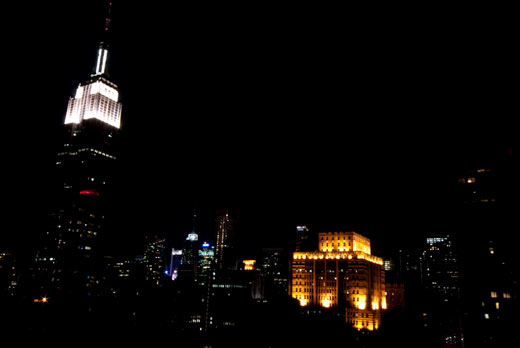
341,274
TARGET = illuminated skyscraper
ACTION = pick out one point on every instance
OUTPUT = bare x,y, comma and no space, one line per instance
85,166
154,260
441,290
341,275
205,260
175,263
226,246
439,271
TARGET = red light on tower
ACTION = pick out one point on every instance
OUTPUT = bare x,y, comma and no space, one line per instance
89,192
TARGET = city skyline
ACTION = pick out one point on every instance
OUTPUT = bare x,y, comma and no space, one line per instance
190,111
265,175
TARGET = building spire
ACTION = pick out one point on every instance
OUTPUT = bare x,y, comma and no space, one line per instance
102,55
193,236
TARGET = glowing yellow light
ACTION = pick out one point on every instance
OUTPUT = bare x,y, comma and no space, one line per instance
362,302
45,299
303,302
326,303
383,303
375,305
249,265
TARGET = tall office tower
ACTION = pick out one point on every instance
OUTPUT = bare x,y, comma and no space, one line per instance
154,260
477,186
191,246
489,275
440,269
441,290
226,248
190,255
8,275
71,257
175,263
205,259
305,239
341,275
273,267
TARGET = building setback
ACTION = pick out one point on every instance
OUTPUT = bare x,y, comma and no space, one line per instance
342,274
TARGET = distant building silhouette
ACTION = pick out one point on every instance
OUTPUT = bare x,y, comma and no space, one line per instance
488,265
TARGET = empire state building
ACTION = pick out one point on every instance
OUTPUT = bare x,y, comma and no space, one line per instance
98,98
71,258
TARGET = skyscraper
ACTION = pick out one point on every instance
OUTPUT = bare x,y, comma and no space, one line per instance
441,290
305,239
273,266
71,257
190,255
154,260
342,275
439,271
489,276
226,245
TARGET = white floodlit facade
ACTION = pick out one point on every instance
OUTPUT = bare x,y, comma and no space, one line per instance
99,99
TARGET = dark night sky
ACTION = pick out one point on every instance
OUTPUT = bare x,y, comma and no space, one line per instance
343,118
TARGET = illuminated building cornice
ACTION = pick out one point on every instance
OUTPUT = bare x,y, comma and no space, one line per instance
332,255
98,98
343,241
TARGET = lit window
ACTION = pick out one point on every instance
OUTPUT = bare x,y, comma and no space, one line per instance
497,305
507,295
491,251
494,294
486,316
